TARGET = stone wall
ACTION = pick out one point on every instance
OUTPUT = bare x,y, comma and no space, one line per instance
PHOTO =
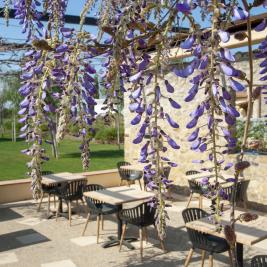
184,156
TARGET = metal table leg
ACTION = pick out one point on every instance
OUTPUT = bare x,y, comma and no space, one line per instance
239,254
115,241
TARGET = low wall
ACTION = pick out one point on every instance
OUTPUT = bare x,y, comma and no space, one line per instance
18,190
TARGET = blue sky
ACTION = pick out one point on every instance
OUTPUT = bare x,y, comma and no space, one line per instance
13,32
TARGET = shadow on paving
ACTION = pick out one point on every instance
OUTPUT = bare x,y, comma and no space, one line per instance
177,245
7,214
20,239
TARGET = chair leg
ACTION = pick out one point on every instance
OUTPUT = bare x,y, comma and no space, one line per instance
160,240
188,258
98,229
78,207
87,221
211,260
141,241
48,207
69,206
145,235
245,204
122,235
82,201
200,199
54,201
140,184
190,198
102,222
57,212
231,258
40,203
203,254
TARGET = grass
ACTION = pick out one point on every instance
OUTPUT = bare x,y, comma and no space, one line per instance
13,162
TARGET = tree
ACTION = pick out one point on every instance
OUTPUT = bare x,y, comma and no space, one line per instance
11,99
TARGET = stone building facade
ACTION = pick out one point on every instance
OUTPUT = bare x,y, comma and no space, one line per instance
257,173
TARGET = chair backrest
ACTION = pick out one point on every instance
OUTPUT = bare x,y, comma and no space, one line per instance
195,187
142,215
93,204
191,172
166,171
47,188
193,214
198,239
47,172
124,174
241,193
259,261
74,188
240,190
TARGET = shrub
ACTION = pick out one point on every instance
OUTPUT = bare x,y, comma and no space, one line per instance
108,135
258,130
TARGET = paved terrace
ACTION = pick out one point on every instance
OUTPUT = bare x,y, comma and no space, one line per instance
27,239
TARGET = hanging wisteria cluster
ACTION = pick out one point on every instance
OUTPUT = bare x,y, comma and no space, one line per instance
210,60
57,78
138,38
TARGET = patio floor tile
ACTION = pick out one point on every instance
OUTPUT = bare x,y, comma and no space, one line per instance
31,221
64,263
6,258
83,241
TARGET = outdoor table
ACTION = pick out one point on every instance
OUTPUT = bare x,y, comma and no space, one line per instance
58,179
118,196
247,233
221,179
62,177
199,176
137,167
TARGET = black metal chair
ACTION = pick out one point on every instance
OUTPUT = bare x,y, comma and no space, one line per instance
69,192
204,242
129,175
50,190
141,216
97,208
241,190
195,188
259,261
166,171
242,193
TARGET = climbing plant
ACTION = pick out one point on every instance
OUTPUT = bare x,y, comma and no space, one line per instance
139,39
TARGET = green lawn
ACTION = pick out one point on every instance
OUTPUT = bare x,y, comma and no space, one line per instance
12,161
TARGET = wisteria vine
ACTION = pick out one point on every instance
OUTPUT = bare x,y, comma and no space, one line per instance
138,38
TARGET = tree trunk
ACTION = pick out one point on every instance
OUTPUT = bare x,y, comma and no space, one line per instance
118,130
53,139
2,120
14,128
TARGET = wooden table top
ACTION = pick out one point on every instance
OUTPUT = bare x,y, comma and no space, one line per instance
246,233
119,195
61,177
210,175
137,167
